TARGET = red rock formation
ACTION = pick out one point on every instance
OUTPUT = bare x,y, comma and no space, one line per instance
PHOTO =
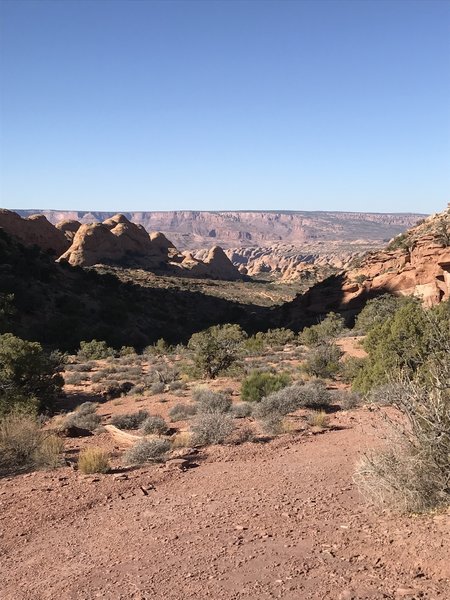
414,264
34,231
117,240
69,228
229,229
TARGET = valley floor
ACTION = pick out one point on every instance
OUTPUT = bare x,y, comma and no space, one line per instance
259,521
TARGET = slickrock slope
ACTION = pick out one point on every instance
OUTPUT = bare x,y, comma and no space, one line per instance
229,229
416,263
35,230
69,228
114,241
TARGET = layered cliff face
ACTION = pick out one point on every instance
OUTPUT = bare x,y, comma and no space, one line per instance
116,241
190,230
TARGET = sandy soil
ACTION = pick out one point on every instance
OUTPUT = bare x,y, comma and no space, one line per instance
258,521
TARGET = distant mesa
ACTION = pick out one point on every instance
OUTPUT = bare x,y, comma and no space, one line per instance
115,241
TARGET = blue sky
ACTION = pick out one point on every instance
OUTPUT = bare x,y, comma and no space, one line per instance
322,105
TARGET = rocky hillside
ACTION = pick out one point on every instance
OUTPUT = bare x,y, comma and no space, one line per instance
115,241
415,263
229,229
59,305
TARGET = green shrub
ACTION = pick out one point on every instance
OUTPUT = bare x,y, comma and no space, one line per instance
130,420
259,384
94,350
323,361
350,368
127,351
377,311
409,342
29,377
212,428
216,349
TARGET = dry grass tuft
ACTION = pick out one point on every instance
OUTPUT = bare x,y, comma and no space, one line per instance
93,460
318,419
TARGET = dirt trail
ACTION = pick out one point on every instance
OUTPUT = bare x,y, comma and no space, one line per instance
259,521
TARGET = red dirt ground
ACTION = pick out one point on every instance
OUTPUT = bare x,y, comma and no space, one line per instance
258,521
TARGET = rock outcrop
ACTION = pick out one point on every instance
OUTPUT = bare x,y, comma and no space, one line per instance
115,241
190,230
215,265
416,263
69,228
35,230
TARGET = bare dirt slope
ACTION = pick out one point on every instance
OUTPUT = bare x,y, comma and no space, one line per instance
258,521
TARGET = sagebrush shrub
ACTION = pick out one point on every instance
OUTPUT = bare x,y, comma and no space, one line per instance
209,401
147,450
241,410
84,417
154,424
412,472
213,428
309,395
157,387
130,420
181,412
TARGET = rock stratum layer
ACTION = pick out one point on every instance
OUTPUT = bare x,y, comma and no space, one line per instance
190,230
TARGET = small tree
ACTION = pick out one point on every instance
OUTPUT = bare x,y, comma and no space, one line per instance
29,377
216,348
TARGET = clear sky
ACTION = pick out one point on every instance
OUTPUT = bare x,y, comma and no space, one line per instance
220,105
